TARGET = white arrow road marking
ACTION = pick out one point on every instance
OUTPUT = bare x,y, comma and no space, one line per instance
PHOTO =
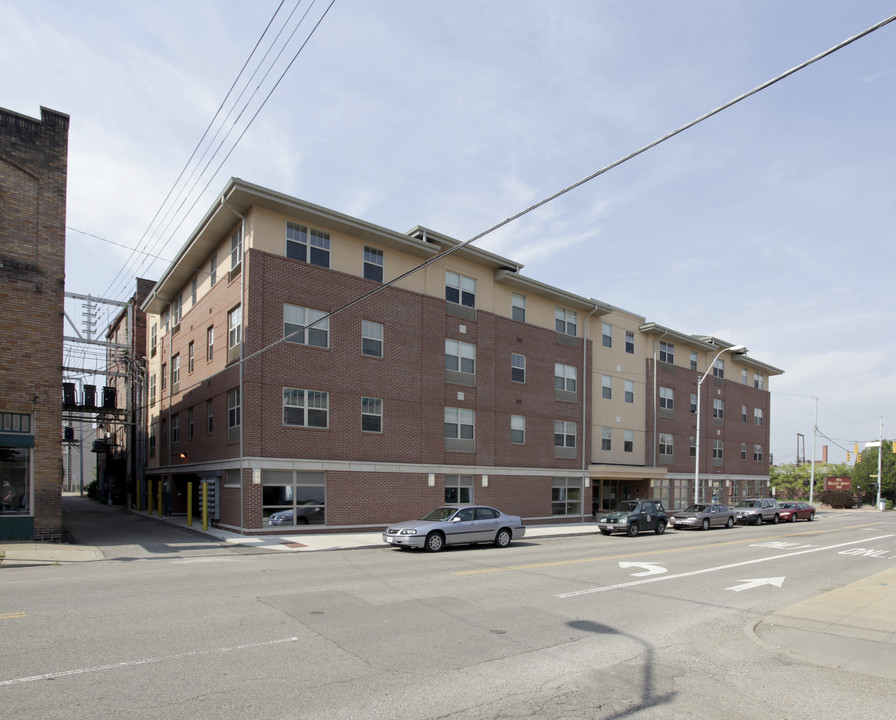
713,569
649,568
757,582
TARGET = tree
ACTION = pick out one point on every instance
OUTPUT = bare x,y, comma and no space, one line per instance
791,482
862,472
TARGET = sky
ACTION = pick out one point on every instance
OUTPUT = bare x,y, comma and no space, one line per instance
769,224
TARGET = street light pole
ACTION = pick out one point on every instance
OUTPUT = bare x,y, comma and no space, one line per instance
740,349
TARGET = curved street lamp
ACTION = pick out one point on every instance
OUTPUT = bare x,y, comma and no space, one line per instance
739,350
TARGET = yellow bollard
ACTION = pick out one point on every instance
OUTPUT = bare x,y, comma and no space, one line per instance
190,504
149,497
205,506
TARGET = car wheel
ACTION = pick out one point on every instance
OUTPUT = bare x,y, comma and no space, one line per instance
793,518
811,517
729,523
633,529
604,531
758,520
705,524
775,519
435,541
503,538
660,528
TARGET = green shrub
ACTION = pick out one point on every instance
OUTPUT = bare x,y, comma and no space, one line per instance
91,490
837,498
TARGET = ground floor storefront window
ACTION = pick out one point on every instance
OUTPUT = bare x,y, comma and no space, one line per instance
15,481
293,497
566,496
458,488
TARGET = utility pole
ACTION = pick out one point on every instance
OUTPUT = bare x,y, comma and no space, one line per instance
814,440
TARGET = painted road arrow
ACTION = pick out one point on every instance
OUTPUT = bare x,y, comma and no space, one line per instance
649,568
758,582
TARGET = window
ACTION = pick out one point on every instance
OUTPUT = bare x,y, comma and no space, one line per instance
628,440
718,451
175,429
234,328
163,431
606,387
191,357
517,429
459,423
194,291
758,381
165,322
630,342
305,326
757,453
176,306
718,409
565,321
236,249
667,398
743,376
743,413
213,270
666,444
305,408
16,466
371,338
153,340
373,264
743,451
460,289
564,377
210,342
629,391
518,307
566,496
564,434
667,353
693,360
152,389
152,442
210,416
458,488
693,447
718,368
302,493
371,415
517,368
606,335
606,438
175,373
307,245
758,416
190,423
164,377
460,356
233,415
694,403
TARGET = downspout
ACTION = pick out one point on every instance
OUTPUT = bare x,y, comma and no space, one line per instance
656,391
585,474
242,345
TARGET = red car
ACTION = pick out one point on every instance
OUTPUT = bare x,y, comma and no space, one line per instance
794,511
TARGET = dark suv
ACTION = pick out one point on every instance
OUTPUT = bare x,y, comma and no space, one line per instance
633,516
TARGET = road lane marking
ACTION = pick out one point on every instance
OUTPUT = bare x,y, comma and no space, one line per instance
757,582
144,661
12,615
633,583
649,568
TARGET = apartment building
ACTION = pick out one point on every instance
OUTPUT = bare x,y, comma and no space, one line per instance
33,172
301,359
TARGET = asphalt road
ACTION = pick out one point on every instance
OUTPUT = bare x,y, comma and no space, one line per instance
173,624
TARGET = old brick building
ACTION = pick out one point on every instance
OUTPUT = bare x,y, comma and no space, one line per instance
286,371
33,170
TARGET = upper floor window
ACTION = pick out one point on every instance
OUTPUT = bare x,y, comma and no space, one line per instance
718,368
666,444
693,360
718,409
194,290
718,450
606,438
233,414
628,441
371,338
743,376
307,244
460,356
213,270
236,249
630,342
175,311
693,402
210,342
305,408
517,367
518,307
153,340
152,389
517,429
175,373
191,357
459,423
757,453
371,414
629,386
564,377
758,417
758,381
606,387
565,321
667,353
667,398
564,434
373,264
296,322
460,289
606,334
235,327
743,413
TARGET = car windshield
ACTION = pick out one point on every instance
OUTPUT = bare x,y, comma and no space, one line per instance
627,506
751,503
788,506
695,508
439,514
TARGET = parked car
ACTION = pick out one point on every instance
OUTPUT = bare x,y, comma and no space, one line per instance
460,524
311,511
793,511
703,516
633,516
757,511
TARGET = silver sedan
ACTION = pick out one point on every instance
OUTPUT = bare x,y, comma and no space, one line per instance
703,516
456,525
